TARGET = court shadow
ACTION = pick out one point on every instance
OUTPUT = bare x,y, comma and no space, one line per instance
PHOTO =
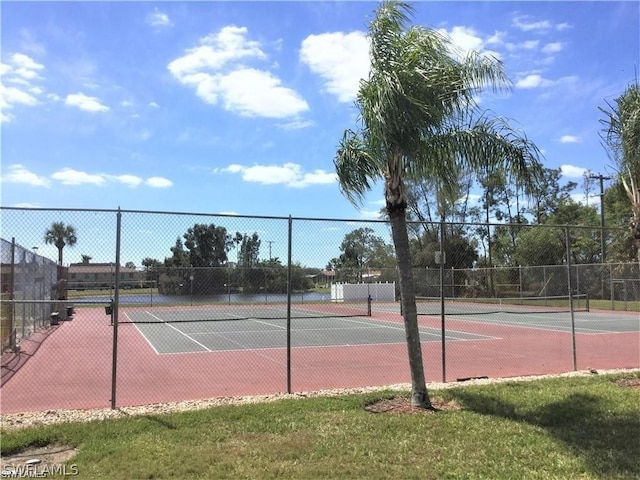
13,361
582,422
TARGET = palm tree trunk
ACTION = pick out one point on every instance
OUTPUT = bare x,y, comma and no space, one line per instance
419,393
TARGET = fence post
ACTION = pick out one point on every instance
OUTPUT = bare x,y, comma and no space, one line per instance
12,294
573,324
442,313
289,247
115,306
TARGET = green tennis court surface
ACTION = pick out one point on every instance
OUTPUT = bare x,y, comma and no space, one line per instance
196,331
255,327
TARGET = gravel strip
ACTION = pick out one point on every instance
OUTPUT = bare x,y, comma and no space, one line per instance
48,417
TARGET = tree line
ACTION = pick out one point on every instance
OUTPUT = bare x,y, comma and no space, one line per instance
200,263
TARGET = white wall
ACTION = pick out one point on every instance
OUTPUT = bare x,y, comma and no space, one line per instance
341,292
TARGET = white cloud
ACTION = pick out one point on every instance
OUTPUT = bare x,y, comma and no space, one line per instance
289,174
465,40
535,80
572,171
69,176
296,124
85,103
216,51
20,71
19,174
214,70
340,59
553,47
158,182
158,19
523,23
25,63
9,96
569,139
250,92
129,180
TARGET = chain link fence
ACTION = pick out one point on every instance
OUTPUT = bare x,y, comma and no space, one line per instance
29,284
170,306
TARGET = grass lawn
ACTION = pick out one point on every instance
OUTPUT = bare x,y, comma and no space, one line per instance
559,428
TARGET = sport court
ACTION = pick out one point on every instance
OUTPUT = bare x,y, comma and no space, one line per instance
222,328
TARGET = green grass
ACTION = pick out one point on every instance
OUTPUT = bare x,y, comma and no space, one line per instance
562,428
105,292
618,305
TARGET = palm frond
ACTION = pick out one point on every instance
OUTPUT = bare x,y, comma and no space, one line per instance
356,166
482,145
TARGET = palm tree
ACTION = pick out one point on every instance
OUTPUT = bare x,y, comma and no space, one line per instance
417,116
60,235
621,136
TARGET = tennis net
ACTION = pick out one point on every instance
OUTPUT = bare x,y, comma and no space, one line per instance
233,312
490,306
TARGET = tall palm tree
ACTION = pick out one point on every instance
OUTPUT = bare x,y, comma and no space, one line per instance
419,122
621,137
60,235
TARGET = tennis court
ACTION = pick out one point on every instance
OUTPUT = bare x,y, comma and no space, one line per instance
215,328
171,331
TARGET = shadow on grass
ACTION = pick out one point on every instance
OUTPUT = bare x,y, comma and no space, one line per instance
608,442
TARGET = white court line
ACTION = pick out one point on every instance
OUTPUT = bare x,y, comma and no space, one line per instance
141,333
180,332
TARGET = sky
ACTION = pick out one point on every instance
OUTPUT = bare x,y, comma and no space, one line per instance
238,107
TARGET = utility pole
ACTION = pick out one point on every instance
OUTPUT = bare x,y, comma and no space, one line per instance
602,178
270,242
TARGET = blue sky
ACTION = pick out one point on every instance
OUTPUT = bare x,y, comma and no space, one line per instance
237,107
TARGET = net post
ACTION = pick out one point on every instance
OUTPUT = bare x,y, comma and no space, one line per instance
586,299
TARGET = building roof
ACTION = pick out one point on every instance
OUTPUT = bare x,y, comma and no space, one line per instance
98,268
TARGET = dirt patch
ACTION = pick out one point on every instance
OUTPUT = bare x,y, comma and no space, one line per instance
403,405
633,382
37,459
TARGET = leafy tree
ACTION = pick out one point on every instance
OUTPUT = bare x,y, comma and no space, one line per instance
275,275
130,265
176,274
459,253
417,116
179,257
207,245
621,246
621,136
540,245
251,278
151,268
362,250
249,250
548,195
60,235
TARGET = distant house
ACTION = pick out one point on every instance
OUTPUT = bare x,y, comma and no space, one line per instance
324,277
84,276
